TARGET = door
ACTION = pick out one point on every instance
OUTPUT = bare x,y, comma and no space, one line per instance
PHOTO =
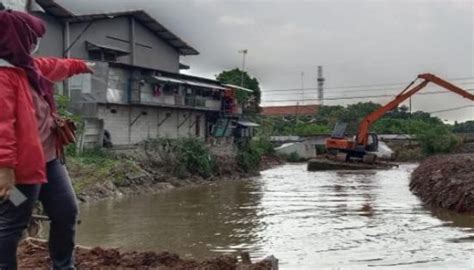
198,126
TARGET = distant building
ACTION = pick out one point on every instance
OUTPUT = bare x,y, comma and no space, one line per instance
136,92
294,110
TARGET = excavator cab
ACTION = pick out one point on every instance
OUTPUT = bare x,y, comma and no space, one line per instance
338,139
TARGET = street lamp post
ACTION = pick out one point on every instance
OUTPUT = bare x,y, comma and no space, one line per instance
244,53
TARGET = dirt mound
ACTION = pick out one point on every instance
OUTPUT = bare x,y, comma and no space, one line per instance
34,255
465,148
446,181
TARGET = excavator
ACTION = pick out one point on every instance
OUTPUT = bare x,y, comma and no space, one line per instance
365,144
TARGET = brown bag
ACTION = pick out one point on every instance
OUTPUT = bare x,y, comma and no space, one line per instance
65,135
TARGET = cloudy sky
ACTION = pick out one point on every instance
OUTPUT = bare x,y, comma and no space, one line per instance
358,42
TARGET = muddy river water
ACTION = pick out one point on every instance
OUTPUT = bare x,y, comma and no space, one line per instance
309,220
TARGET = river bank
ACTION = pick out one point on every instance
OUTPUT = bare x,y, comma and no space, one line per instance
151,169
34,255
446,181
365,217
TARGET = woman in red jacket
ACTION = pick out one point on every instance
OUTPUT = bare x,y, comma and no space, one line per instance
28,143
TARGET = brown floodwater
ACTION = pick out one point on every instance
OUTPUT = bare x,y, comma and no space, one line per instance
309,220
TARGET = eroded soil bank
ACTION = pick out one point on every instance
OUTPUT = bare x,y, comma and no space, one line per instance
34,255
446,181
145,171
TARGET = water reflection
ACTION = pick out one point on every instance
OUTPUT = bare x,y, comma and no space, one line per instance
197,220
309,220
464,220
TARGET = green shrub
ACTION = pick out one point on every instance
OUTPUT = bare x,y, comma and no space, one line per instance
249,158
294,157
321,149
249,155
437,140
196,158
264,146
406,154
183,156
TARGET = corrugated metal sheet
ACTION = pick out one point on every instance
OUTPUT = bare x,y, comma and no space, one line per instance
205,85
238,87
190,82
167,79
55,9
148,21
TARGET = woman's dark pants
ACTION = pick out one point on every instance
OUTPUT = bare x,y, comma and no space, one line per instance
59,203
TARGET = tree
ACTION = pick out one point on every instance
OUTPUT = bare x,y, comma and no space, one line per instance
251,101
354,114
466,127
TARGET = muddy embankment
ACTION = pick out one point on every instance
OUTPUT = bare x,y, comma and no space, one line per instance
34,255
446,181
148,171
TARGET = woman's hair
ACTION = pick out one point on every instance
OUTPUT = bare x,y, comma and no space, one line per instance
18,35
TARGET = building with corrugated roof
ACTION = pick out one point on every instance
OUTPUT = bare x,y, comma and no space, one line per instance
137,91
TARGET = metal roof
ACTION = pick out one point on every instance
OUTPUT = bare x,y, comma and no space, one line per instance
148,21
55,9
240,88
167,74
183,66
190,82
168,79
205,85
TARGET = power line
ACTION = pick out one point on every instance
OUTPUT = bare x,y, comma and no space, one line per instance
291,91
359,97
354,91
453,109
360,86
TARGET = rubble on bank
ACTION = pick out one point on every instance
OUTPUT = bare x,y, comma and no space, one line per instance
446,181
34,255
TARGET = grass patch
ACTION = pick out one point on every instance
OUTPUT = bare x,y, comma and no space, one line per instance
96,166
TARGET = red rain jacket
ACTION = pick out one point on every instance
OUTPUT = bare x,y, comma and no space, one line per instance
20,146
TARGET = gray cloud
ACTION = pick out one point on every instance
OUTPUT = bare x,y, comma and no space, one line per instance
358,42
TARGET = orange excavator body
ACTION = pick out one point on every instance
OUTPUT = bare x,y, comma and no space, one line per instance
361,142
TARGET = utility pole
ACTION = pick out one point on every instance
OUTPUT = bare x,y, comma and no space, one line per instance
244,54
410,106
320,85
297,108
302,88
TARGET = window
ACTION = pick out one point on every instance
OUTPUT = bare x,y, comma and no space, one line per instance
95,55
102,56
110,57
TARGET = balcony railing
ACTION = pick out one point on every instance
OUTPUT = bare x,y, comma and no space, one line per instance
195,102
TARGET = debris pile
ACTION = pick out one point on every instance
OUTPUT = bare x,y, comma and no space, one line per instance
34,255
446,181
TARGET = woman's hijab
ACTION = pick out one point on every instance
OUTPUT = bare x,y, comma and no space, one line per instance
19,35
